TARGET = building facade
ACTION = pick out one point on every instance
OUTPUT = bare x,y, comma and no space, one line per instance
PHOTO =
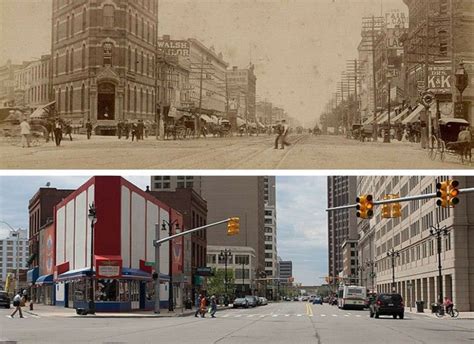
416,267
286,269
103,60
271,254
194,209
241,88
171,183
350,262
13,258
342,225
7,84
242,265
32,83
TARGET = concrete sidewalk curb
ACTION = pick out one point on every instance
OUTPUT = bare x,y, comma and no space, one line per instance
433,316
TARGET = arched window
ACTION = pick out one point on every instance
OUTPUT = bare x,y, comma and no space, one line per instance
128,98
57,64
59,100
135,99
83,64
66,100
108,13
143,29
67,27
84,19
141,100
67,61
136,60
129,21
136,23
57,31
71,100
72,60
72,24
146,64
147,36
83,97
129,58
142,63
147,101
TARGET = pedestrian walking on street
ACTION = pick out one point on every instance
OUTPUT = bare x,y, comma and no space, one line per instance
58,132
25,132
126,128
49,130
119,129
284,134
213,306
278,130
197,304
89,129
68,130
134,131
202,306
140,129
17,305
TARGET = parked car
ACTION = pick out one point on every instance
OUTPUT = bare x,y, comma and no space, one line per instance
263,301
241,302
4,299
317,301
326,299
304,298
295,298
252,300
387,304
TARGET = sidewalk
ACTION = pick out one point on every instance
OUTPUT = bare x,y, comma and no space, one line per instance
427,313
54,311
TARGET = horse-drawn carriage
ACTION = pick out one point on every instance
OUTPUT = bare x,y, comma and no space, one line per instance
445,140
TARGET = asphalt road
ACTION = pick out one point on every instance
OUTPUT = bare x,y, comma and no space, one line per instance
288,322
255,152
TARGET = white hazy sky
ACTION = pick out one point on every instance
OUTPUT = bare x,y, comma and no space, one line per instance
301,216
299,47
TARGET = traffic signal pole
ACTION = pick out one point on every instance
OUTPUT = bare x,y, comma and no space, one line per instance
157,243
400,199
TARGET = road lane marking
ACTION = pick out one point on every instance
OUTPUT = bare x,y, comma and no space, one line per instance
299,315
323,315
275,315
262,315
225,316
287,315
250,315
346,315
358,315
334,315
238,316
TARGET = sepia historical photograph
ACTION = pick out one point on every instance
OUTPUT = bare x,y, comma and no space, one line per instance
237,259
236,84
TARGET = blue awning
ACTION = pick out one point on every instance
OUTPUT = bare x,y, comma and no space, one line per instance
140,274
74,274
32,275
45,279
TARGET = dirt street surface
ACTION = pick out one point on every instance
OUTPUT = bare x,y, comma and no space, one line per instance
255,152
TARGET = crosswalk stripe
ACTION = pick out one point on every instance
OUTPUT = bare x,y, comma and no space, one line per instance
311,315
323,315
225,316
287,315
238,316
346,315
262,315
275,315
250,315
358,315
334,315
299,315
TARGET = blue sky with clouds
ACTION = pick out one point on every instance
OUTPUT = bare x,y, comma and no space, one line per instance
301,217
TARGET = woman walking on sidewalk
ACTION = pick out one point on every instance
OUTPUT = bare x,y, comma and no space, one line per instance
203,306
197,304
213,306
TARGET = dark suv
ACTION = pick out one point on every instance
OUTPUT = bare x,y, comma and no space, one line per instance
4,299
387,304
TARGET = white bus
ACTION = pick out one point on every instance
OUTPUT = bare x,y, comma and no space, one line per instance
351,296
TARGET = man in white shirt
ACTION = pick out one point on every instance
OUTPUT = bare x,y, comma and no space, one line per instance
17,305
25,132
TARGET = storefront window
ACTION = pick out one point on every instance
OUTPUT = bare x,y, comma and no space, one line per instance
106,290
80,290
124,291
150,291
70,291
134,291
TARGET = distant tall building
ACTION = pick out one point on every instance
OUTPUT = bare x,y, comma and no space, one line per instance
242,197
171,183
271,264
286,269
7,84
103,60
242,88
416,268
13,254
342,224
32,83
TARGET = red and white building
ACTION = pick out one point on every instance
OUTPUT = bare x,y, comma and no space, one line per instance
123,243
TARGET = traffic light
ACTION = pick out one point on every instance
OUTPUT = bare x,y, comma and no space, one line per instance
396,209
442,194
233,226
453,193
365,206
386,208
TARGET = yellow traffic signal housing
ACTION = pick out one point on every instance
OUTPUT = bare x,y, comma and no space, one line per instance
365,206
386,208
396,209
233,226
453,193
442,194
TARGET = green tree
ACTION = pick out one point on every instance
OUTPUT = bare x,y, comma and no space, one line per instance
216,283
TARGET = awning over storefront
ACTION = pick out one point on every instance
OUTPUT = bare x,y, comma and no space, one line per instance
74,274
32,275
401,115
368,120
413,117
42,111
382,118
260,125
140,274
45,279
240,122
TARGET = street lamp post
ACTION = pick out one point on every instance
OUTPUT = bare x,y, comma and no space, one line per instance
92,215
371,264
393,254
170,233
438,233
224,255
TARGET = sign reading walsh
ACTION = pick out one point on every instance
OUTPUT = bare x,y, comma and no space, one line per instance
173,48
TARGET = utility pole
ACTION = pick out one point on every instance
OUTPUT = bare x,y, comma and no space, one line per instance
438,233
198,117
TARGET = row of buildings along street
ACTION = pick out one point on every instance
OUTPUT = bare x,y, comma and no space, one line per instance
400,254
108,66
410,76
53,260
